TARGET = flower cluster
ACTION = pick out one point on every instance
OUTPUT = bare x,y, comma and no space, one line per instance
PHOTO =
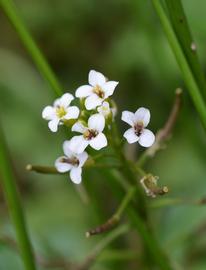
96,114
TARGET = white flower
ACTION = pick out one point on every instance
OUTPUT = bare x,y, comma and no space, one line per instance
91,135
97,91
60,111
104,109
138,120
71,162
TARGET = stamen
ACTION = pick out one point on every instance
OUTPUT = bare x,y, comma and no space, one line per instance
90,133
139,126
73,161
60,111
98,90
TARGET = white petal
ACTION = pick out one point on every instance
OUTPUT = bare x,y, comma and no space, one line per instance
96,122
48,113
53,124
76,175
78,144
72,113
131,136
62,166
83,91
98,142
82,158
67,150
65,100
92,102
147,138
57,102
105,104
142,115
109,88
96,78
104,107
104,110
128,117
79,127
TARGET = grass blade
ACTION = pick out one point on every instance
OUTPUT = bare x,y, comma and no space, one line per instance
183,33
182,62
14,205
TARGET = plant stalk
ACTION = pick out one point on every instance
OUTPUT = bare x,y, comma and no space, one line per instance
91,258
114,220
14,205
183,64
183,33
153,253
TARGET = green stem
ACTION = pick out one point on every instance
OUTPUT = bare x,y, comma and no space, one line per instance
138,211
12,13
126,200
183,33
150,242
127,170
114,220
91,258
98,165
141,222
53,170
176,201
183,64
119,255
14,205
139,170
152,251
167,202
42,169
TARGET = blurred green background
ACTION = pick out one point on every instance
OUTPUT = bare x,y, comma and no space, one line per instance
123,40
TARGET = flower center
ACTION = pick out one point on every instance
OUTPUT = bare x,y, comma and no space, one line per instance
138,127
89,134
73,161
105,109
60,111
98,91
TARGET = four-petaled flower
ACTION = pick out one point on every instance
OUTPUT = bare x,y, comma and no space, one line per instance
71,162
60,111
91,135
138,120
97,91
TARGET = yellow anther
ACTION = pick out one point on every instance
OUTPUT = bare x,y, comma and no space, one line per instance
86,133
60,111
